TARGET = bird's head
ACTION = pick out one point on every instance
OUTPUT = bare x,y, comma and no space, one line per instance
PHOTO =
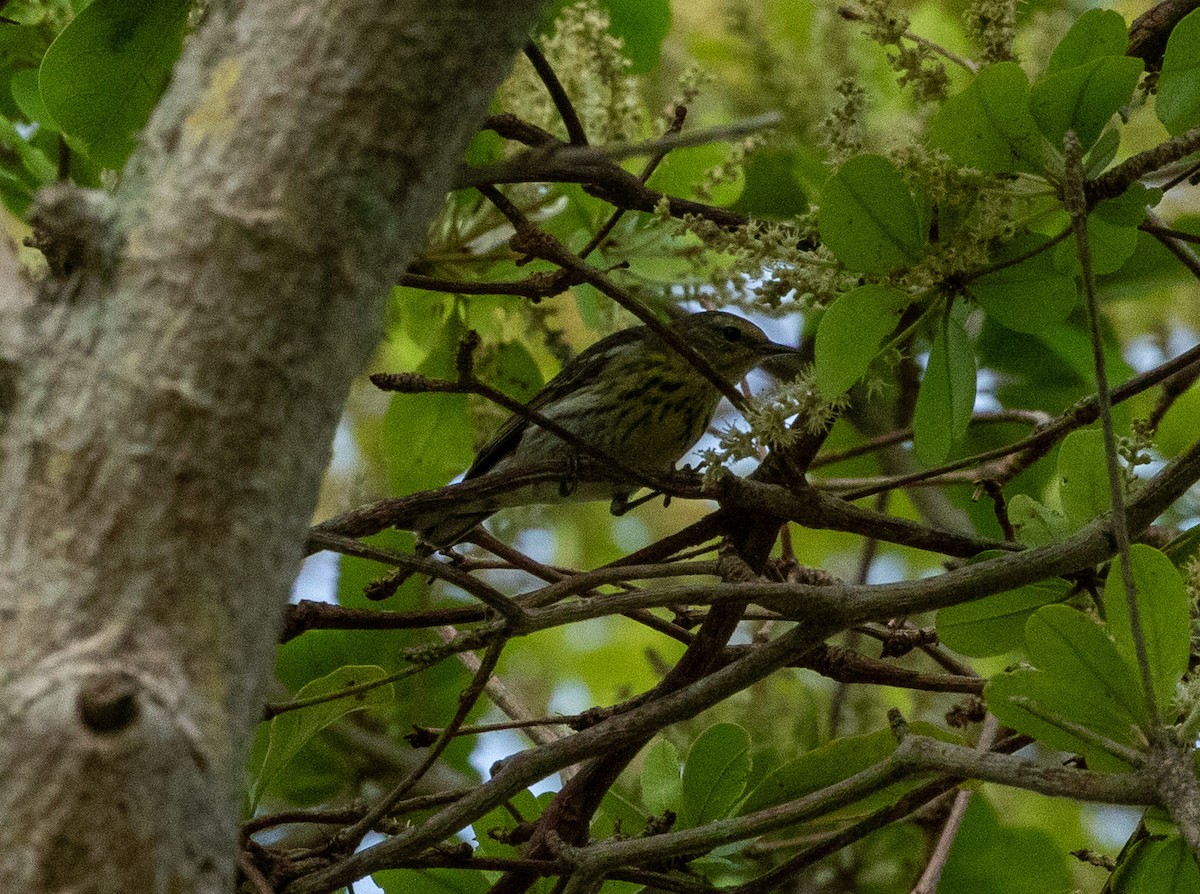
733,345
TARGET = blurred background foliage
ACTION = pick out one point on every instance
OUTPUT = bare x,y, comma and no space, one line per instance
831,74
837,94
733,60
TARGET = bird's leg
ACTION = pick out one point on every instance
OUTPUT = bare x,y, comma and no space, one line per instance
621,503
567,486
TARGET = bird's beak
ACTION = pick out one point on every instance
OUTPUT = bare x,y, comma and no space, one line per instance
774,349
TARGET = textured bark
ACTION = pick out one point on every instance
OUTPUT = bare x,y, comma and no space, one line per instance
174,417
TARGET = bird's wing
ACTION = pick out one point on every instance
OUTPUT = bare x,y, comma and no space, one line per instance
587,367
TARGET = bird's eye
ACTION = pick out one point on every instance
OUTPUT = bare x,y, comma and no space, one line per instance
731,333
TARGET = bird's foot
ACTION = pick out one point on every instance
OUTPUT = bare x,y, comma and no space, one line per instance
621,503
567,486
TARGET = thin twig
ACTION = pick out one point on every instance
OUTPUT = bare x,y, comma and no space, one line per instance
583,160
1082,413
271,710
1116,180
502,696
855,14
543,245
1155,230
253,874
351,835
1075,201
928,882
562,102
1185,253
595,242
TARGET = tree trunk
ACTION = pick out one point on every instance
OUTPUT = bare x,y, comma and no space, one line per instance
175,408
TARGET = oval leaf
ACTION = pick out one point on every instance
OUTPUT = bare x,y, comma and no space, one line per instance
1162,603
428,440
106,70
715,774
1178,99
291,730
869,217
1026,296
850,333
996,624
1008,695
1096,33
819,768
1083,477
946,398
1083,98
988,126
660,777
1075,652
1035,524
1158,867
459,880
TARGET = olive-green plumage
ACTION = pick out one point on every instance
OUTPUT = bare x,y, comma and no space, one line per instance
630,395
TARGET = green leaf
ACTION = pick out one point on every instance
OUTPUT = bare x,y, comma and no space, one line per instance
996,624
833,762
1102,153
1129,208
1111,246
1035,524
514,371
1180,428
1083,477
642,25
773,187
683,170
715,774
988,126
990,857
427,440
819,768
1026,296
1178,99
36,12
32,158
291,730
459,880
1157,867
617,813
1007,694
105,72
1184,548
28,97
661,785
869,217
946,398
1083,98
1075,651
1162,603
850,334
1095,34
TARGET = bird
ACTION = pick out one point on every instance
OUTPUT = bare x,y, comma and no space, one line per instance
631,395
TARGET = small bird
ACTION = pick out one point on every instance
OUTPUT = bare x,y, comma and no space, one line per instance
630,395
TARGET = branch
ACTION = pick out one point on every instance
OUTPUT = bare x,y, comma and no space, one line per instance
1082,413
562,102
914,754
553,161
1116,180
1075,201
536,243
